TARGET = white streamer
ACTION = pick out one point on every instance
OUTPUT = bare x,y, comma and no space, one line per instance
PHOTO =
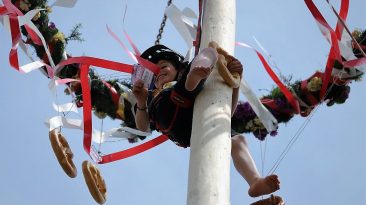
25,50
57,81
28,67
346,51
59,121
27,19
32,66
266,117
179,21
117,133
184,26
135,131
188,12
68,107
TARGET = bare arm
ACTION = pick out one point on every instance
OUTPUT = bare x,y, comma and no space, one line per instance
142,116
234,102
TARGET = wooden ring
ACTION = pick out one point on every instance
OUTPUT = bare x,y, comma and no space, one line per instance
95,182
63,152
272,200
231,79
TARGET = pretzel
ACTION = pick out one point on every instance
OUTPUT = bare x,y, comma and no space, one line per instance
95,182
231,79
63,152
272,200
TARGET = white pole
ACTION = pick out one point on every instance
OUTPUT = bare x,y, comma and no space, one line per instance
209,165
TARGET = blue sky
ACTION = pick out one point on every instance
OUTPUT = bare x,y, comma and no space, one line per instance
325,165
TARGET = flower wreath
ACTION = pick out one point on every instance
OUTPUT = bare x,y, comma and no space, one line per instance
244,119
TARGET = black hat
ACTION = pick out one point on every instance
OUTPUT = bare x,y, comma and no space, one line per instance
161,52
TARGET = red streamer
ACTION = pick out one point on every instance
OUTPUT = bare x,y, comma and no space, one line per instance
15,38
134,150
84,80
290,98
197,42
113,92
334,53
13,12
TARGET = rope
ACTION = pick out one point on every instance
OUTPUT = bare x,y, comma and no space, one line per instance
291,143
263,155
162,25
101,136
298,133
197,42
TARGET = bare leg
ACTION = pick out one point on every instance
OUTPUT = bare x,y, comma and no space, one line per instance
245,165
195,75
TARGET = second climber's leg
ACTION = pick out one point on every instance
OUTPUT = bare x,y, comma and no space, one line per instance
246,167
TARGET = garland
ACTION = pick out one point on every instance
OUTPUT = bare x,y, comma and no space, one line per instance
307,92
101,95
105,93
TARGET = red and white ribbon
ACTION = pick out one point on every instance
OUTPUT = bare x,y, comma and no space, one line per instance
290,98
333,37
88,131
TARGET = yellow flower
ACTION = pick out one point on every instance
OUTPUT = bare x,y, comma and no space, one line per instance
315,84
249,125
37,16
58,37
357,33
258,123
48,9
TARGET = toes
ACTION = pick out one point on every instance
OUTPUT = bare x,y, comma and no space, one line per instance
274,182
274,178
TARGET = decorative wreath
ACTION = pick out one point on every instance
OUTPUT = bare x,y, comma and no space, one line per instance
110,97
104,101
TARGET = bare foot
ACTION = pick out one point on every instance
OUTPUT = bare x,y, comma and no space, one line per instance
195,75
263,186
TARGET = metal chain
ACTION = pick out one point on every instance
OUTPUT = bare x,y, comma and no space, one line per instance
162,25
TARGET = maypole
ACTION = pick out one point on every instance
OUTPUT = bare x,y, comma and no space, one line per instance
209,166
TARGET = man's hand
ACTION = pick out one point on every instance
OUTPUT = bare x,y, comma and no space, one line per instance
235,66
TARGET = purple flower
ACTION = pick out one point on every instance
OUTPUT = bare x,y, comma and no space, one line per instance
52,25
244,112
274,133
260,134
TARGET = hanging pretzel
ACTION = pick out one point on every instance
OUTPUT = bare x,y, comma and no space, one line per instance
95,182
272,200
231,79
63,152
